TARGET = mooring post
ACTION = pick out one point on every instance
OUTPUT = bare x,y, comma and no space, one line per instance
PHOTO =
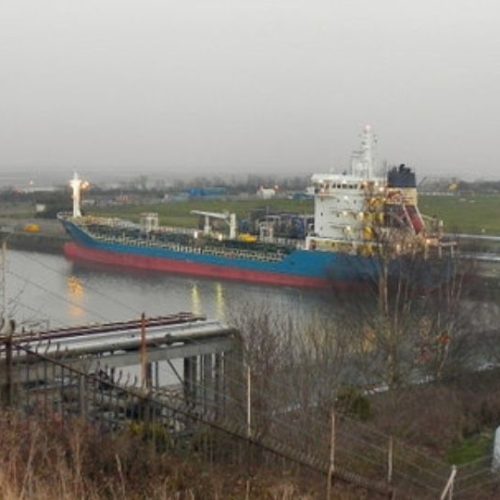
331,468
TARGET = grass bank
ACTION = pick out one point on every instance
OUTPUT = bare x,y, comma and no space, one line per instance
478,214
472,214
46,460
178,213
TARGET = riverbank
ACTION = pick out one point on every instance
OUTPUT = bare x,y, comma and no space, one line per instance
50,238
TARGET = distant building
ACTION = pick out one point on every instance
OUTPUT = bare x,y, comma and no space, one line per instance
172,197
212,193
266,193
38,189
302,196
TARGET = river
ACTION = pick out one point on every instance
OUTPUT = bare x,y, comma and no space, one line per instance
48,291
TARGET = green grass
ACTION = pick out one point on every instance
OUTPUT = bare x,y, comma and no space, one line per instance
472,214
479,214
178,213
470,449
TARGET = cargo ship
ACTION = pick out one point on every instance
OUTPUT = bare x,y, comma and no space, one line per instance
361,220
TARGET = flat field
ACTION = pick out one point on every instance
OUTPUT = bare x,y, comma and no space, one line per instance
478,214
474,214
178,213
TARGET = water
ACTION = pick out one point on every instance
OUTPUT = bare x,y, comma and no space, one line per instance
49,291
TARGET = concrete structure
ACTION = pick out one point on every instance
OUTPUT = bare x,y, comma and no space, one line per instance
185,353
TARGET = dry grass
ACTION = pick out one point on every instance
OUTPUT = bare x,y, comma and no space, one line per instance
44,460
436,417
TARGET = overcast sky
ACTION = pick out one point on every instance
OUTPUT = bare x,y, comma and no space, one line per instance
244,86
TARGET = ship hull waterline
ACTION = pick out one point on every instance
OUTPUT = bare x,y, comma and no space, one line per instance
76,252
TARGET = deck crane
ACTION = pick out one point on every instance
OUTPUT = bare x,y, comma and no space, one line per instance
230,220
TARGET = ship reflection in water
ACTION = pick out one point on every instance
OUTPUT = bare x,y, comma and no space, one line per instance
67,294
216,296
220,311
76,296
195,300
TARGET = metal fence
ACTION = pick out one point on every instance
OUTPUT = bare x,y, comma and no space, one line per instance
236,426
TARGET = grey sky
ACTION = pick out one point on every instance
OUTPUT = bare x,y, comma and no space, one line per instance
249,85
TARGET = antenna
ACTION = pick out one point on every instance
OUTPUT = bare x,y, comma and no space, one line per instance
363,160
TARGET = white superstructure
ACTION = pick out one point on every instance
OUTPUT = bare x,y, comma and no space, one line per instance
341,200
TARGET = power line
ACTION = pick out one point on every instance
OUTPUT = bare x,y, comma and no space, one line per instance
56,295
89,287
275,383
37,312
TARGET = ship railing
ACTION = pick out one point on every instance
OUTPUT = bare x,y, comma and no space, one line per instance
113,222
181,230
207,250
116,223
287,242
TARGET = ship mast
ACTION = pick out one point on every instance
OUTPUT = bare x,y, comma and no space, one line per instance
76,185
363,160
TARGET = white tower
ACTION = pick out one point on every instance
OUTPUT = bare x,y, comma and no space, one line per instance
76,185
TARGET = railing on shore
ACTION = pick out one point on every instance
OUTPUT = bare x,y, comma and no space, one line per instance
234,426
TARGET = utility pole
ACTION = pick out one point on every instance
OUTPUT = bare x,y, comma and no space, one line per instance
249,402
331,468
5,232
145,366
5,326
3,270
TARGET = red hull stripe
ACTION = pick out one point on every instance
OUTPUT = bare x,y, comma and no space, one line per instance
76,252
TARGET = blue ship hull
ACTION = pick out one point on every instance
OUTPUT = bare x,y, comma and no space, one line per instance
305,268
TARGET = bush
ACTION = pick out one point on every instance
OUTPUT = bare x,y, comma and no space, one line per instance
350,401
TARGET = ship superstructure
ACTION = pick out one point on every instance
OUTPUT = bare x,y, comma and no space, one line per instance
358,212
342,201
358,217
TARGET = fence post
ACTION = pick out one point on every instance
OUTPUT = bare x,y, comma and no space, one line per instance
83,396
249,402
390,453
8,370
331,468
390,465
249,432
145,367
448,489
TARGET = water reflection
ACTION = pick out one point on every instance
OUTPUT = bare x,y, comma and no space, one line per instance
76,294
98,293
220,305
195,300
